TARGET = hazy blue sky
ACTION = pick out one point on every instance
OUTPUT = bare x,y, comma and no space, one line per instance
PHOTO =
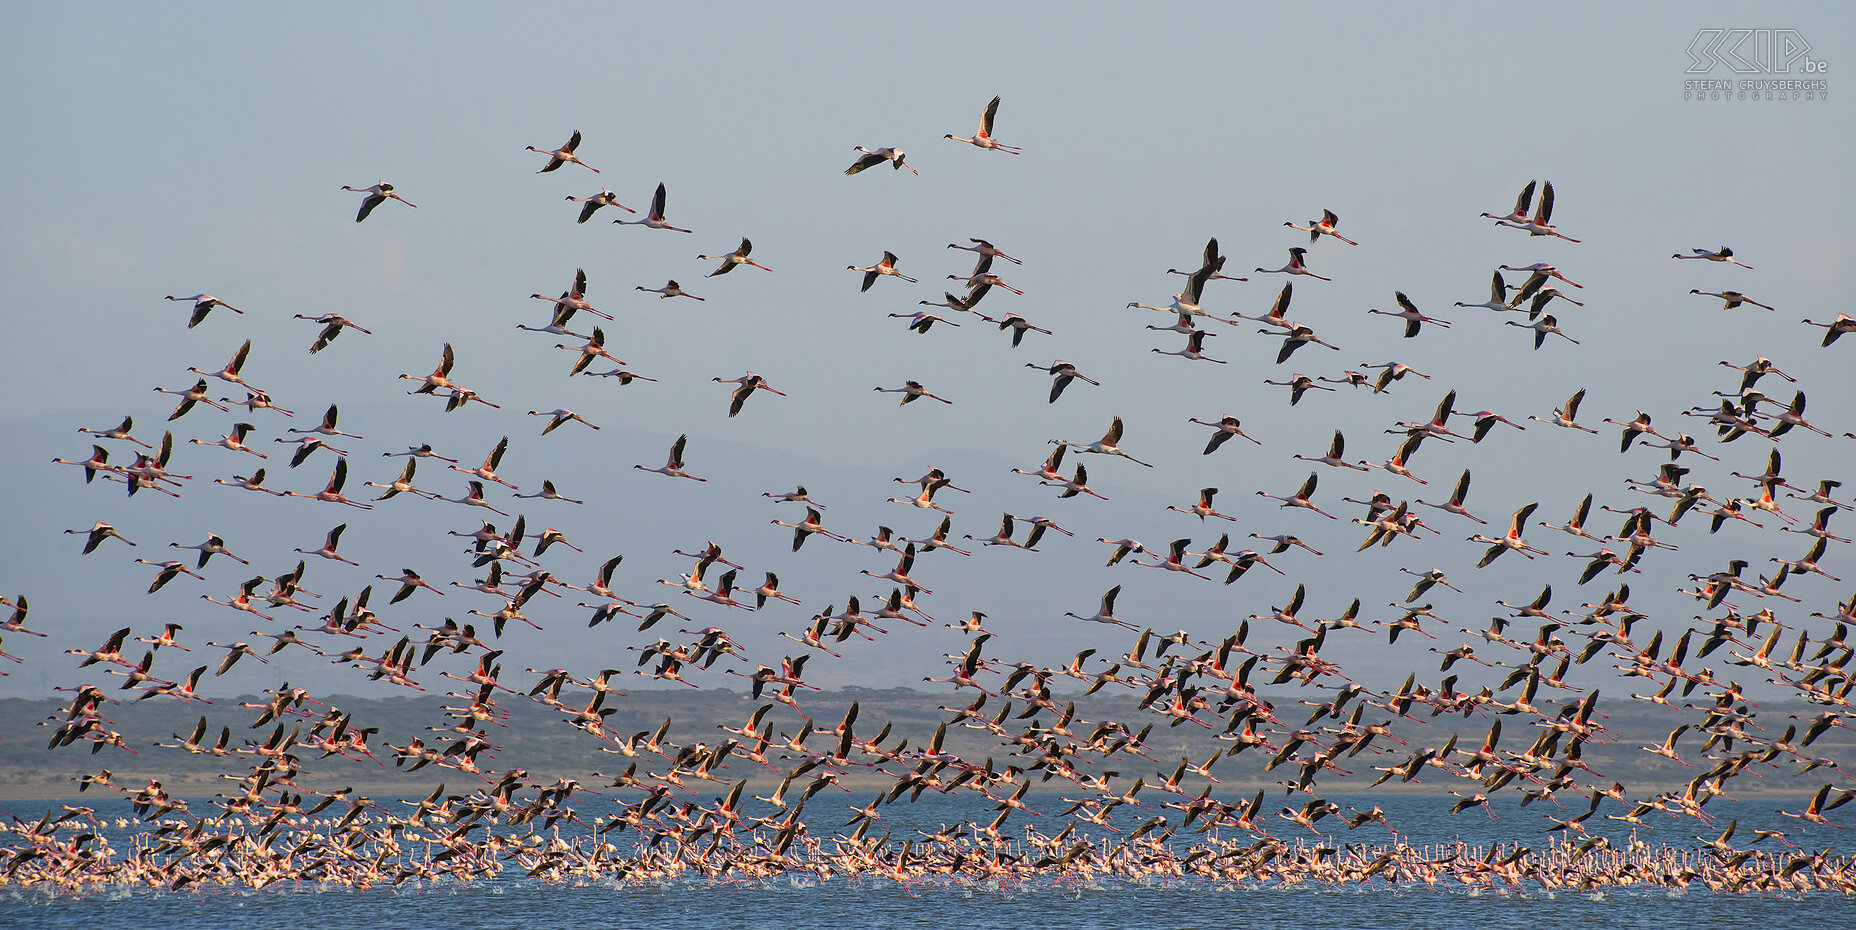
163,149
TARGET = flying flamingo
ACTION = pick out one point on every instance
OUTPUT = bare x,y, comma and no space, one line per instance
874,157
1107,445
605,198
1296,265
1226,427
1322,227
656,218
911,390
674,465
982,136
1540,225
1409,313
747,384
738,257
1521,203
203,304
671,289
563,155
885,267
1723,254
376,195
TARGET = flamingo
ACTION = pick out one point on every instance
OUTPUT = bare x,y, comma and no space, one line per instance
97,534
1322,227
556,418
1844,323
1543,327
982,136
1298,384
1106,613
1723,254
656,218
376,195
332,326
986,249
332,493
327,426
328,550
605,198
563,155
487,471
1226,427
401,484
1509,540
1498,294
98,461
1301,498
1543,213
1409,313
747,384
1276,315
1297,265
1337,447
921,321
1521,203
874,157
1186,302
670,289
982,277
911,391
674,465
1566,416
203,304
1204,507
885,267
1063,373
1107,445
1542,270
234,440
803,531
1396,464
1298,336
1211,261
1194,343
121,431
189,397
1455,503
738,257
1175,560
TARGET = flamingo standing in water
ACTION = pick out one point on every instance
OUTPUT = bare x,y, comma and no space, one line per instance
982,136
563,155
376,195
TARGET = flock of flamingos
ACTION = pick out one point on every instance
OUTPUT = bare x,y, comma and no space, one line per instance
680,811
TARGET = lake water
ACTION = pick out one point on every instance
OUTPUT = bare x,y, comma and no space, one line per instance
512,900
